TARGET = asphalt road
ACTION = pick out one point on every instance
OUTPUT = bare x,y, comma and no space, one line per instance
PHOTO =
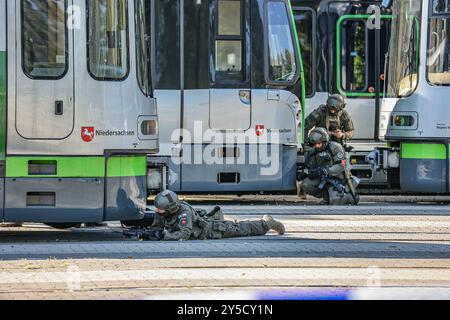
391,245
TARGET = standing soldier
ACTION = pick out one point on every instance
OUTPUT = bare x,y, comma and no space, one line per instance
177,221
334,118
327,176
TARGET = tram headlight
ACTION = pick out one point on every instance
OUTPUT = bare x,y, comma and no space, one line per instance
149,128
402,121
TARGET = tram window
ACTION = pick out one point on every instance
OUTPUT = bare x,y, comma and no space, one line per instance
228,55
44,39
354,56
142,45
282,62
229,18
108,57
305,28
167,62
438,65
404,60
441,6
229,41
196,44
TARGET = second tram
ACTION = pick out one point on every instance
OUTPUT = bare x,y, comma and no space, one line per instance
415,117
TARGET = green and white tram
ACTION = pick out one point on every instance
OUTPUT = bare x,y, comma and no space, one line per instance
227,77
415,114
77,113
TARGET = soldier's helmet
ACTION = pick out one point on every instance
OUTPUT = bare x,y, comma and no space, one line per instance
336,102
319,135
167,202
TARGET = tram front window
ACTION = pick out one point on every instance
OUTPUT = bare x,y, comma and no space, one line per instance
44,42
438,64
282,64
403,59
108,39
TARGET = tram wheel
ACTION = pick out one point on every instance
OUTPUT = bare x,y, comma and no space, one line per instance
64,226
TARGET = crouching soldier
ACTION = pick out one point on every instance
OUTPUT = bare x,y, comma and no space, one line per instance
328,177
176,220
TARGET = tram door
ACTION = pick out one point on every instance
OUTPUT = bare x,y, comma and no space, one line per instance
230,94
44,69
362,44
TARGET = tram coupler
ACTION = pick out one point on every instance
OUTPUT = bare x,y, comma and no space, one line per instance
384,158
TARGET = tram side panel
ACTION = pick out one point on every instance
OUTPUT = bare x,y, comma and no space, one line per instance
77,152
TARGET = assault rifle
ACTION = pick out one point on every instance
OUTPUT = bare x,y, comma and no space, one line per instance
143,234
327,180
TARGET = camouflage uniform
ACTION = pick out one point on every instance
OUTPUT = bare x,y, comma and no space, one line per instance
331,157
190,224
321,118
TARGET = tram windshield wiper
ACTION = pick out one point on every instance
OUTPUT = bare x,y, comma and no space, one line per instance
286,77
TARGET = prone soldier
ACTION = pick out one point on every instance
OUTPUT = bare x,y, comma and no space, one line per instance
328,177
178,221
334,118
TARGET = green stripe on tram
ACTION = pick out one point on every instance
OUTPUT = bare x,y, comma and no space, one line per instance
431,151
79,167
2,105
127,166
66,167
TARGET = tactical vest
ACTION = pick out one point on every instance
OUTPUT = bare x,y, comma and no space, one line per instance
320,158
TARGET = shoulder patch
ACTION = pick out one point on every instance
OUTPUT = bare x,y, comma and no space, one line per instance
340,156
184,220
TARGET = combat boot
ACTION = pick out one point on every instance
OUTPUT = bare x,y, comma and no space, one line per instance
274,225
